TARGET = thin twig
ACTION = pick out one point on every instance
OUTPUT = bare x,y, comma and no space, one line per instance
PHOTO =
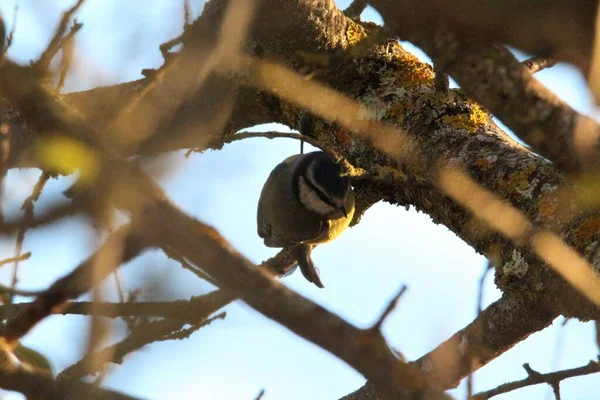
79,281
120,292
479,308
388,310
149,332
535,378
68,45
260,394
488,267
166,47
52,215
28,217
186,265
178,309
187,13
4,47
22,257
271,135
536,64
43,63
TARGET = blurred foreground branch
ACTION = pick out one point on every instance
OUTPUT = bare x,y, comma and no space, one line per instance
36,385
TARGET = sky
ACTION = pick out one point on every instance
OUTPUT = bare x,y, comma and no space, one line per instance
362,270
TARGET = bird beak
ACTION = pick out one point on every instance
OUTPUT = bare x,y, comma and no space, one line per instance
343,210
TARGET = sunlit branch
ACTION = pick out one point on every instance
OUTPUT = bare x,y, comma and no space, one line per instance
67,46
43,63
498,328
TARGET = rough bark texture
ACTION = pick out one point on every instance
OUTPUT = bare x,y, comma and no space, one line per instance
445,127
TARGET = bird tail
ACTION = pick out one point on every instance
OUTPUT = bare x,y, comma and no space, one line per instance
307,267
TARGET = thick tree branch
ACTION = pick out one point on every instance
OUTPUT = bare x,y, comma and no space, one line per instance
166,226
491,158
560,29
494,77
498,328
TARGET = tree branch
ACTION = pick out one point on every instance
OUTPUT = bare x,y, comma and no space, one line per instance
356,8
497,329
535,378
148,332
36,385
71,286
560,29
43,63
493,77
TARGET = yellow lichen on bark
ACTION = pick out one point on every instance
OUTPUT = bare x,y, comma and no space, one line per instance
470,121
412,71
354,33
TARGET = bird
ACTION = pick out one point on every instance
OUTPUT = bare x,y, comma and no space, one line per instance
304,202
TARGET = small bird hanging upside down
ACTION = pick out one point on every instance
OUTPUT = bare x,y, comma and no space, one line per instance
305,202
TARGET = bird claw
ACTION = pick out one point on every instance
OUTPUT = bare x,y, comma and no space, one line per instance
307,267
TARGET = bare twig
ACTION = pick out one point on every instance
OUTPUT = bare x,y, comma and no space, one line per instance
271,135
195,314
6,41
28,217
535,378
176,310
52,215
536,64
43,63
388,310
488,267
119,285
144,334
260,394
67,45
478,310
168,45
71,286
21,257
186,265
187,14
12,291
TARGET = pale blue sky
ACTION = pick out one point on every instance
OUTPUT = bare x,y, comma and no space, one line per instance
362,270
